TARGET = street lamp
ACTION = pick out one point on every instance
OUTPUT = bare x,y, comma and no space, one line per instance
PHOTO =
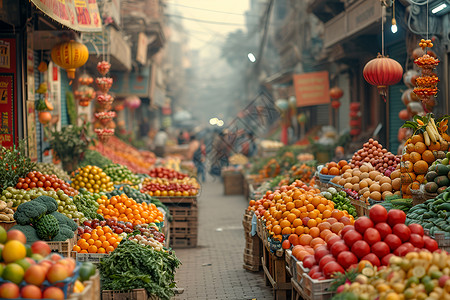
213,121
251,57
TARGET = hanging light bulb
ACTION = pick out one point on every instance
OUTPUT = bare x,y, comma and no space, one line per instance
394,22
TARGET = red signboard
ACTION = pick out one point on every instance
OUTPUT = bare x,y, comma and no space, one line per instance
312,88
8,97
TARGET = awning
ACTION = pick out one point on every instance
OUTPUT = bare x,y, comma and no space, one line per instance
79,15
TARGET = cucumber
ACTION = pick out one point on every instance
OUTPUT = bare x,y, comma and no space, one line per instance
446,195
444,206
439,201
427,225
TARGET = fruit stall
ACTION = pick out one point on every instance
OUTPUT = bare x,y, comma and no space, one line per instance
64,235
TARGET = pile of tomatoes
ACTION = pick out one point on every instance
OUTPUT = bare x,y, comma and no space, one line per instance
162,172
36,179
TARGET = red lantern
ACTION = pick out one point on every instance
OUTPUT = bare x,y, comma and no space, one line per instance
403,115
383,72
335,104
336,93
355,122
355,131
354,106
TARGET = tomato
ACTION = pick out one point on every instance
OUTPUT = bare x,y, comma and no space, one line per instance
333,240
286,244
19,185
416,240
24,186
416,228
314,269
371,236
338,247
393,241
396,216
47,183
381,249
27,180
402,231
321,252
383,229
362,224
361,248
347,258
378,214
373,259
385,259
402,250
331,268
430,244
317,275
324,260
309,261
351,237
32,184
345,229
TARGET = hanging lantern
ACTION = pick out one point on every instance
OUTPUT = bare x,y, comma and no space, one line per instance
404,115
335,104
85,79
282,104
292,102
383,72
70,56
354,106
336,93
103,67
133,102
301,118
355,131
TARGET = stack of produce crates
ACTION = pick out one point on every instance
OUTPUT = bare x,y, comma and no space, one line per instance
184,224
252,250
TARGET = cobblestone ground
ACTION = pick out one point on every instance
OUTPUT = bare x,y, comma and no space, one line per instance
214,269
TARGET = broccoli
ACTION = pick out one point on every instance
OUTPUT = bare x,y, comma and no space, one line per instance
29,212
62,219
28,231
49,202
65,233
47,227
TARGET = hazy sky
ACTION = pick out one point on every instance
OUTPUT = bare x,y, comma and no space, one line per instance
203,35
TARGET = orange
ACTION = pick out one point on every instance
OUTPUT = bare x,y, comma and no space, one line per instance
342,163
428,156
102,238
108,235
90,241
86,236
286,230
105,244
410,148
407,178
81,241
305,239
337,214
417,138
109,249
291,217
112,240
290,206
276,229
84,246
298,203
299,230
100,231
76,248
312,214
321,207
324,171
317,241
420,178
116,244
83,251
98,243
285,223
316,201
310,207
334,171
101,250
296,212
421,167
434,146
420,147
326,214
314,231
332,165
345,168
92,249
312,223
415,156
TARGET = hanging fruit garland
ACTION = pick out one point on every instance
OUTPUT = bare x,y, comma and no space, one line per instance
104,128
85,94
426,84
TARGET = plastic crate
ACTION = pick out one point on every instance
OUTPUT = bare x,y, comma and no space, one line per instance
136,294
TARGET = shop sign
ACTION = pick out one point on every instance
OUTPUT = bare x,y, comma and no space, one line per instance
127,84
312,88
80,15
31,130
8,97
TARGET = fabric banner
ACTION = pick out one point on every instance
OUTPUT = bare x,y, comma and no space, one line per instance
79,15
312,88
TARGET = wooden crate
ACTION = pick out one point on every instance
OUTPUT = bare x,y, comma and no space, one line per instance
183,212
94,258
7,225
233,183
178,200
184,228
183,241
252,253
275,274
136,294
63,248
317,289
91,289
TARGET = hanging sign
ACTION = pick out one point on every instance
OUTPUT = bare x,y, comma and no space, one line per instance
8,117
79,15
312,88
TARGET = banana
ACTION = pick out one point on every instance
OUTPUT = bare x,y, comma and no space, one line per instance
439,137
430,133
426,139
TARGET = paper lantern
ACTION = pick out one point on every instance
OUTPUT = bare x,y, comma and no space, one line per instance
133,102
335,104
383,72
70,56
336,93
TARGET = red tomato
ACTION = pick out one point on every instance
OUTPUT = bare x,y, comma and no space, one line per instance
309,261
333,240
372,236
416,228
351,237
401,251
313,270
402,231
326,259
385,259
378,214
347,258
317,275
373,259
286,244
345,229
383,229
338,247
396,216
416,240
361,248
393,241
430,244
362,223
321,252
380,249
331,268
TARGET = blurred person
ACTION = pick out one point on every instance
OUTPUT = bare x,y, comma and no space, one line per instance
160,141
181,138
339,154
194,144
199,160
248,147
221,149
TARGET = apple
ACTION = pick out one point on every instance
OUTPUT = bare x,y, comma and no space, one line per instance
41,247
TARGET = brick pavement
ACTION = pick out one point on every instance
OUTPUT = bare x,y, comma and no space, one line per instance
214,269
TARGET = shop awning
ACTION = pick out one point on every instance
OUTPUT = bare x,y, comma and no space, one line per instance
79,15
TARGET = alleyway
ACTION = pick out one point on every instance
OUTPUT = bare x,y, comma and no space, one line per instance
214,269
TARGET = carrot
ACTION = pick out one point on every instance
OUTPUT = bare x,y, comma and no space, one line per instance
420,122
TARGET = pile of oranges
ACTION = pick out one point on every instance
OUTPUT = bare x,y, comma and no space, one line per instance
304,214
127,209
101,240
335,169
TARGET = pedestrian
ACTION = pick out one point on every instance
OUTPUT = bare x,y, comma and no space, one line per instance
159,142
199,161
194,144
181,139
339,154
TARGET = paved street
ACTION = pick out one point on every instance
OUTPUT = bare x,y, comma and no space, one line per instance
214,269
